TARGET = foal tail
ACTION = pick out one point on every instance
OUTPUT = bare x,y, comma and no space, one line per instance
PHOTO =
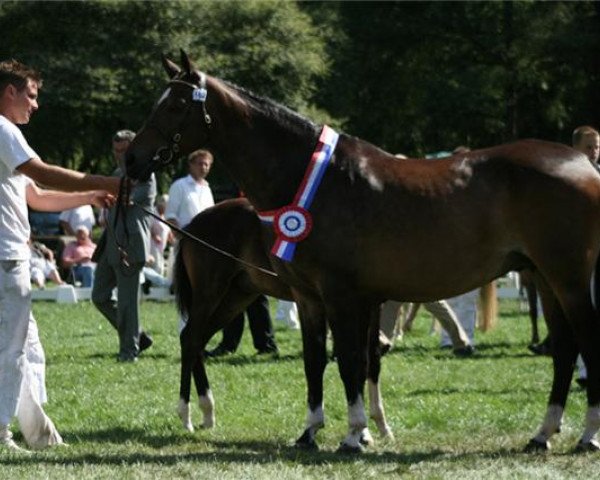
181,281
488,305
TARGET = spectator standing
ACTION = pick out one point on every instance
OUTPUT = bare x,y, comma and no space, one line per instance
70,219
132,234
189,195
22,359
77,256
261,328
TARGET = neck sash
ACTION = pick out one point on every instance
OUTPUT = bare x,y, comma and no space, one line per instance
293,223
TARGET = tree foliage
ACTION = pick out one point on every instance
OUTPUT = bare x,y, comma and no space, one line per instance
413,77
423,76
101,61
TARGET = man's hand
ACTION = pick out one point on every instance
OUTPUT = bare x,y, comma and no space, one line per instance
102,199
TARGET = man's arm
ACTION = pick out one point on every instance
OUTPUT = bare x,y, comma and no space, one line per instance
54,201
67,180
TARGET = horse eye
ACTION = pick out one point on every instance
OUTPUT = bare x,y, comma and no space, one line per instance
177,103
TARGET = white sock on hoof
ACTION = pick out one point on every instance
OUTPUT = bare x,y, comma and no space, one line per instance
551,423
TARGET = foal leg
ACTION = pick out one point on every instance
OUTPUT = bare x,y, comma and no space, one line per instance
235,301
185,383
314,335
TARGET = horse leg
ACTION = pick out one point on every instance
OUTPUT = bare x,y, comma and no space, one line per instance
373,370
532,299
564,350
185,383
349,319
314,335
234,301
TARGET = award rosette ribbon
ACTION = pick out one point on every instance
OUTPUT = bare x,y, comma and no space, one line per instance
293,223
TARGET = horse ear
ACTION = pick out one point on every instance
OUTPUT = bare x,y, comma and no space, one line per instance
170,67
186,63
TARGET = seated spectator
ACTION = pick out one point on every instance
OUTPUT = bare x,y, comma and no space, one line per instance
77,256
151,278
161,236
69,220
42,266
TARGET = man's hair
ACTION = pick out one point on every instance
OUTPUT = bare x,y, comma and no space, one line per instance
15,73
584,131
200,154
123,135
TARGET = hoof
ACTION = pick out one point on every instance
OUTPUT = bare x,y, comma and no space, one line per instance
539,349
349,449
366,439
306,442
535,446
591,446
466,351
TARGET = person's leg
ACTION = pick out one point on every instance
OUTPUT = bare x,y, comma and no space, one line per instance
232,334
128,311
36,427
15,307
388,318
156,279
102,289
261,325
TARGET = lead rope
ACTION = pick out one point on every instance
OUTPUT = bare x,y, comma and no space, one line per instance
122,202
204,243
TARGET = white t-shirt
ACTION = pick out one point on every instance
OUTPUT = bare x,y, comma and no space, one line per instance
14,225
187,199
83,215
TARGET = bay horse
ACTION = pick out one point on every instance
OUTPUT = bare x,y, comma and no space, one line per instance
480,214
211,289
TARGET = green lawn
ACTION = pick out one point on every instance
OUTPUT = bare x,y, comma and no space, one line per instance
452,418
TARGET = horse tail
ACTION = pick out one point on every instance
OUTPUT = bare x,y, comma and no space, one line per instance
181,281
488,304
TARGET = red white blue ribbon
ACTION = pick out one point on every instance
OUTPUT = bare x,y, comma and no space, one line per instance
293,222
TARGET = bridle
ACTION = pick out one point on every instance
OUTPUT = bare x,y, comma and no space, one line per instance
165,155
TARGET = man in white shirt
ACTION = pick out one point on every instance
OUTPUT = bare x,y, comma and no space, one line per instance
22,362
189,195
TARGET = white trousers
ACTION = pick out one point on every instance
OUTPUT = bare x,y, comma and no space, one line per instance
287,312
465,307
22,359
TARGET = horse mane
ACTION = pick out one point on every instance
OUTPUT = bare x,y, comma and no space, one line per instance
283,115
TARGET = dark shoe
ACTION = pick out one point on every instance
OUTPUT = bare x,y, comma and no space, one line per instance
219,351
268,350
582,382
145,341
539,349
146,287
465,351
127,359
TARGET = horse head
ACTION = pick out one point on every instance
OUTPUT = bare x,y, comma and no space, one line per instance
178,124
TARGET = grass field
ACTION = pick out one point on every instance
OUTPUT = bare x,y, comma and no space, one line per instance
452,418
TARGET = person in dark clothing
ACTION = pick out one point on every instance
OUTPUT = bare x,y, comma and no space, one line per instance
261,328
